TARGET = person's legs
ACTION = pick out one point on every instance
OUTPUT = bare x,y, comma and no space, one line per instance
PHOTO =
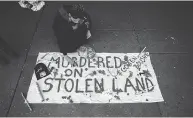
81,36
63,49
80,39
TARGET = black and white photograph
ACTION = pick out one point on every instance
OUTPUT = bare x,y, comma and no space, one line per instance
96,58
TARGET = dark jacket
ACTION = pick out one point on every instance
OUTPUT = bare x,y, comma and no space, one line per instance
68,39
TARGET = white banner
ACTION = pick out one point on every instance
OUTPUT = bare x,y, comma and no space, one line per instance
107,78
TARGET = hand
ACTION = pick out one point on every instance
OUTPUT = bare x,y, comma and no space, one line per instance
87,24
75,27
88,35
81,21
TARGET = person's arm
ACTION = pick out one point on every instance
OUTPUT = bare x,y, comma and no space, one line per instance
88,24
88,21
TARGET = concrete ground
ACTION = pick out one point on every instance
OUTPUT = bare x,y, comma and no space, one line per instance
165,28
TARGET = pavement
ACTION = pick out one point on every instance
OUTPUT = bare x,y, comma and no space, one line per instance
164,28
